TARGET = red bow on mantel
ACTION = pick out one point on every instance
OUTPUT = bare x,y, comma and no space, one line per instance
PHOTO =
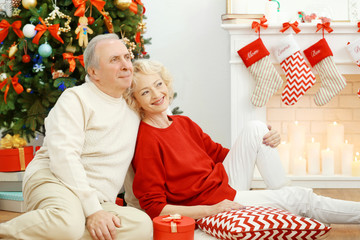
53,29
4,29
324,26
359,26
256,25
71,59
294,26
81,6
15,82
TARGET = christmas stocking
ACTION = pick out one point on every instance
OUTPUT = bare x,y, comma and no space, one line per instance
354,50
332,82
268,81
298,74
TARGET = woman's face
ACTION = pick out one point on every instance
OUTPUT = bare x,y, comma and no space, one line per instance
151,93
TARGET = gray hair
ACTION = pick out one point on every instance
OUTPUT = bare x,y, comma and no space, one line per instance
90,59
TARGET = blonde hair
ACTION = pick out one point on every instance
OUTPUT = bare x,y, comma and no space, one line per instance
146,66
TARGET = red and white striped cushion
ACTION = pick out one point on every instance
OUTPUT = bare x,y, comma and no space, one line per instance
262,223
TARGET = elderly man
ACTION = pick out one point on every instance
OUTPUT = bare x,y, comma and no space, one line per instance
71,186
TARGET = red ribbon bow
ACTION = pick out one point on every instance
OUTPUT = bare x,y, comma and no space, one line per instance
81,6
324,26
256,25
294,26
71,59
41,28
359,26
15,82
4,29
134,6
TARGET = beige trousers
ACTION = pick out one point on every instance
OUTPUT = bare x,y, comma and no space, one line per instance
55,212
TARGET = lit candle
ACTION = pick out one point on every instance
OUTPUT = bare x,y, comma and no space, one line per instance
355,166
299,166
347,151
335,139
296,138
327,160
284,153
313,156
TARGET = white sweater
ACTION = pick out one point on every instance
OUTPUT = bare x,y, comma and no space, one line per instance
89,144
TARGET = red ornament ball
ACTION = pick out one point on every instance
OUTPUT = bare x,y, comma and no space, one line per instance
26,58
91,20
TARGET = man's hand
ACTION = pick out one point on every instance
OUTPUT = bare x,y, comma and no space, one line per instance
272,138
102,225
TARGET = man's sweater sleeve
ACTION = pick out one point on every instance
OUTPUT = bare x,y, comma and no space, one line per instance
65,131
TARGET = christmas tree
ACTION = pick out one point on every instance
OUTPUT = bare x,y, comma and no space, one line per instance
41,50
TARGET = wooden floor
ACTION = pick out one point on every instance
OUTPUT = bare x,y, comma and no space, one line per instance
338,232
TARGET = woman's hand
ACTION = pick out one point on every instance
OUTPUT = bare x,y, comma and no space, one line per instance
272,138
225,205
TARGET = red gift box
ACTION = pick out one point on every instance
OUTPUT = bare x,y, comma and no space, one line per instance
15,159
173,227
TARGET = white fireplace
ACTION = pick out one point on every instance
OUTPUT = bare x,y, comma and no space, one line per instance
242,85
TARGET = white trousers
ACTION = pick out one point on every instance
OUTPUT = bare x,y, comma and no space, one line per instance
55,212
249,151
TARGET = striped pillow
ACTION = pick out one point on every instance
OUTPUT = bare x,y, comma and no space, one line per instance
262,223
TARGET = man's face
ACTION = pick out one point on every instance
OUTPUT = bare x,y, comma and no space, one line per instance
114,73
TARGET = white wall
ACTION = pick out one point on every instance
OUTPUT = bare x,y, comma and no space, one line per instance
188,39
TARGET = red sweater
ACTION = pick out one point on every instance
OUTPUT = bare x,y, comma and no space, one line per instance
179,165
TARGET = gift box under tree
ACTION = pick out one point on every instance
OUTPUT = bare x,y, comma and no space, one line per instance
14,154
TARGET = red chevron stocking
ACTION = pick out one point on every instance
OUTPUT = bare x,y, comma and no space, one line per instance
299,77
268,81
320,56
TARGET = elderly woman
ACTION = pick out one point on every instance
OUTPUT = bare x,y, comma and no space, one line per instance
179,169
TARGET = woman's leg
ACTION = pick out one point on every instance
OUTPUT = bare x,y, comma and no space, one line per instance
303,202
249,151
54,212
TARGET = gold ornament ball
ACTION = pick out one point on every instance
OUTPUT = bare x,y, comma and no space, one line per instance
122,4
29,3
28,90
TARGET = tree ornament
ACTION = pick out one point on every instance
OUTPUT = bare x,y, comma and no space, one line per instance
29,30
16,12
70,47
28,90
38,67
29,3
108,22
122,4
45,50
3,76
141,27
6,7
26,58
52,16
91,20
12,50
16,3
83,31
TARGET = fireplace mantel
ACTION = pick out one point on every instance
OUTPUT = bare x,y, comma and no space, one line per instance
242,83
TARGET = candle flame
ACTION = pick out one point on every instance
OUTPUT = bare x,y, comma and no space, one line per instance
328,149
346,141
283,142
357,153
296,122
312,140
335,123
